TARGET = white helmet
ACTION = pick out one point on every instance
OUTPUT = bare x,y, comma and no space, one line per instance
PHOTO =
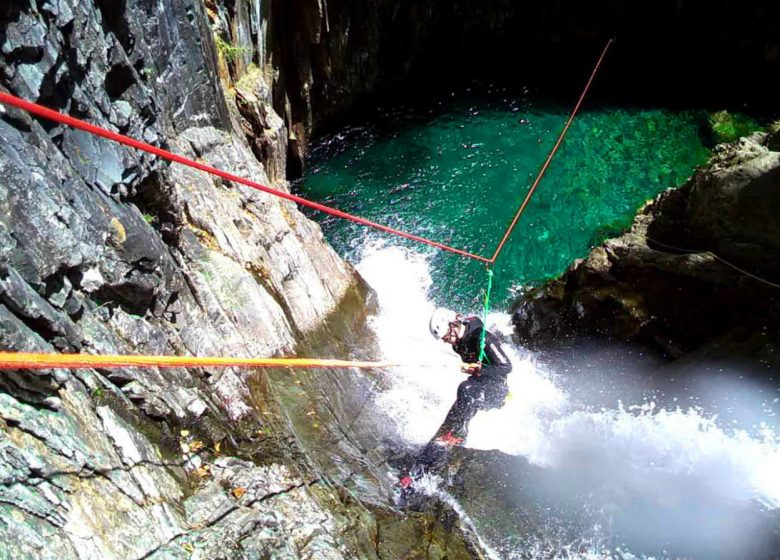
440,322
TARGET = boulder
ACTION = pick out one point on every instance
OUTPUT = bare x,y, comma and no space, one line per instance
698,263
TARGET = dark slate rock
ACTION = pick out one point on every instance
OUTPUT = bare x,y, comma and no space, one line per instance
665,283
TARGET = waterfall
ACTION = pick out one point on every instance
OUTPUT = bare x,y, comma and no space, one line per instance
643,473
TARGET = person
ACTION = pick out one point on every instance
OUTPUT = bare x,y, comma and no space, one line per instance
485,389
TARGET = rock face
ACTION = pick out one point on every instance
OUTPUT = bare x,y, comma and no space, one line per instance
105,250
688,272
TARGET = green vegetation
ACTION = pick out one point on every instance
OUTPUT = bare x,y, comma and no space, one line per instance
728,127
250,78
229,51
98,394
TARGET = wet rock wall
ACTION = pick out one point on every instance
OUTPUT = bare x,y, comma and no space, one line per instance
105,250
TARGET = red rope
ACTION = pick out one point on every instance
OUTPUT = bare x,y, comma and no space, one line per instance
49,114
551,156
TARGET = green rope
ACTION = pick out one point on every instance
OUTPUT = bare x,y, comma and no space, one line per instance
485,314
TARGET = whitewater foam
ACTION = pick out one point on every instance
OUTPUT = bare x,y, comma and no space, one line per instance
629,454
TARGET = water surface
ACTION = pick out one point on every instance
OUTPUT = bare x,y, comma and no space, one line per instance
457,173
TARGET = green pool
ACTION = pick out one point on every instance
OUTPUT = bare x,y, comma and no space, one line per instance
457,172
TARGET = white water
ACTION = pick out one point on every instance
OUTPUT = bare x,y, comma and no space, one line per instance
636,457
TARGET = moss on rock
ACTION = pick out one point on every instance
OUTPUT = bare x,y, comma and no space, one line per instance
729,127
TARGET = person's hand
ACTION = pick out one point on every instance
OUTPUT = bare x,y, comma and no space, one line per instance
471,369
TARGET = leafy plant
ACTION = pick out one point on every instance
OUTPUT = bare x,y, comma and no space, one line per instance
98,393
229,51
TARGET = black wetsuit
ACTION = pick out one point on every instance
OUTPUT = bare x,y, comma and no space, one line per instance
483,390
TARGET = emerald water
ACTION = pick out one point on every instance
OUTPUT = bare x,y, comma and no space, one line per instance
458,172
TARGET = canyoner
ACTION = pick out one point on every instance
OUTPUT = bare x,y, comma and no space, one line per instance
487,366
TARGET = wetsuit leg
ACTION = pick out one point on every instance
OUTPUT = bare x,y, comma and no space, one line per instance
457,420
474,394
495,392
464,408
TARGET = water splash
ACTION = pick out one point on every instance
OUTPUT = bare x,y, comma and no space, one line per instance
422,390
648,472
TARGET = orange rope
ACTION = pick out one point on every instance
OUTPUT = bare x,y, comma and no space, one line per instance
29,360
550,157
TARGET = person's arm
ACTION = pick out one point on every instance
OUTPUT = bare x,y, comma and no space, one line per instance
469,346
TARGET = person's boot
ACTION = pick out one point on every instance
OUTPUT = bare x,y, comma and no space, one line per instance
407,481
449,439
407,496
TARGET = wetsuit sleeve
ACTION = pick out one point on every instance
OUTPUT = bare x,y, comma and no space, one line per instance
495,362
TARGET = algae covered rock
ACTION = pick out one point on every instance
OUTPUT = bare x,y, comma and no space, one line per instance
728,127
